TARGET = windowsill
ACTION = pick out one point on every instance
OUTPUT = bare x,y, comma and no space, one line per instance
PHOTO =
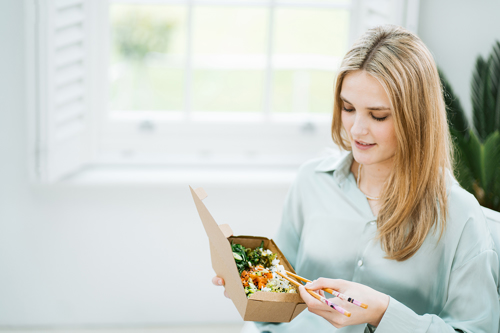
154,175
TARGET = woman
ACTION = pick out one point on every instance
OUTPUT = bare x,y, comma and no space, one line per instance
386,219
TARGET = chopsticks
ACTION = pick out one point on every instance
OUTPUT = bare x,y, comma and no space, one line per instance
333,292
318,297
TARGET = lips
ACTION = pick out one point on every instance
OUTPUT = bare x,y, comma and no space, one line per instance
363,145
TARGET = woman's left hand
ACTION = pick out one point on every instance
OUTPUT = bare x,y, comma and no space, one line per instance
377,302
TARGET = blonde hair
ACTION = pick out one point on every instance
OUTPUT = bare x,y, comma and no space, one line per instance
414,198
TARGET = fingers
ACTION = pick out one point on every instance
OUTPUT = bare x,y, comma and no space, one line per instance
311,301
316,306
218,281
335,284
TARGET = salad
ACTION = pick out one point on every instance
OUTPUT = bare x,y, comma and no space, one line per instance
257,269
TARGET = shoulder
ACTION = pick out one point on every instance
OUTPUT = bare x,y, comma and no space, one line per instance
315,178
311,172
309,167
466,225
306,173
327,163
463,208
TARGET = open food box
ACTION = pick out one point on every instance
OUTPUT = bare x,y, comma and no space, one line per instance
260,306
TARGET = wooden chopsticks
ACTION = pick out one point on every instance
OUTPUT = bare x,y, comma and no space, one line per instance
333,292
318,297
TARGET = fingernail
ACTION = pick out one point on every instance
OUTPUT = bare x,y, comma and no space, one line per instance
219,282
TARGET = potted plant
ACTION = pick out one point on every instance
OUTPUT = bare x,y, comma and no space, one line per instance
477,145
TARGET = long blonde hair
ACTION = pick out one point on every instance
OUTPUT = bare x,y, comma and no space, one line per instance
414,198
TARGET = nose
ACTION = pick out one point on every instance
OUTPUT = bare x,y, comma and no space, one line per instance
360,126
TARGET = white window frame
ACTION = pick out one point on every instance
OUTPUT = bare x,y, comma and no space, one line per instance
189,138
255,138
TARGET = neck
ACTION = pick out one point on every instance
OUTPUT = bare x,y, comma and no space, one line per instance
373,176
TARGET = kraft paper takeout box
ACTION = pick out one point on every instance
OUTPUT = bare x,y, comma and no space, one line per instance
261,306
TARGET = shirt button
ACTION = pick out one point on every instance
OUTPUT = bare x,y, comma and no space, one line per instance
360,263
372,222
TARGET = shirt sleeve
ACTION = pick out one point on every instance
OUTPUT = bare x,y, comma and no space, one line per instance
288,235
472,305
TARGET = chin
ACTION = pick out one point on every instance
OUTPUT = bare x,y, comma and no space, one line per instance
362,157
370,158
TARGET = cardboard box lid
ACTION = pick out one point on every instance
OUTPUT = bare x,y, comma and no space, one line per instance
222,254
261,306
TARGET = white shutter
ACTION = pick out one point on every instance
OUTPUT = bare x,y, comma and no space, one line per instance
370,13
61,63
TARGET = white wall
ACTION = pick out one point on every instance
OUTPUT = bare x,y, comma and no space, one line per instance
104,254
456,32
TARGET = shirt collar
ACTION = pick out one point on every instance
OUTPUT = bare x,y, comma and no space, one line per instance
340,164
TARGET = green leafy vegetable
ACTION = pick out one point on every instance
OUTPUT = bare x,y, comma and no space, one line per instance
246,257
240,257
255,254
267,259
247,260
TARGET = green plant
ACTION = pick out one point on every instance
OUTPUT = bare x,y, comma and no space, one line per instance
139,32
477,147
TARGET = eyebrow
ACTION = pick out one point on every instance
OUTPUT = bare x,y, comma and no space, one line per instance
373,108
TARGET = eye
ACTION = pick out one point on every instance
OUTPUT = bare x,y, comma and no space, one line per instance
379,119
347,110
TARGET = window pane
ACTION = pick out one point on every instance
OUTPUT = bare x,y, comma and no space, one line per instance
227,90
321,91
311,31
301,91
309,44
147,57
229,46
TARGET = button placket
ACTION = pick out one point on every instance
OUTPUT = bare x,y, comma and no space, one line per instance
367,238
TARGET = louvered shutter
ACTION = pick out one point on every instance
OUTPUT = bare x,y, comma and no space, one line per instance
62,87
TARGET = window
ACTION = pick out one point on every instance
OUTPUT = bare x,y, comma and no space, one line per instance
189,82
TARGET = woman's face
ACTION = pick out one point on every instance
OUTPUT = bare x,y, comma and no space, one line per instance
367,119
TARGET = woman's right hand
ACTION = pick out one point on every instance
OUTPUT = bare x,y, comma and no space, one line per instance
218,281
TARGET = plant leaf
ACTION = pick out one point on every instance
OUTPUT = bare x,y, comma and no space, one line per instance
495,82
482,99
468,151
463,172
491,165
454,111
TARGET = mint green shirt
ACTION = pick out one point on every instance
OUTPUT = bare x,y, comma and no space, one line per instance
328,230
